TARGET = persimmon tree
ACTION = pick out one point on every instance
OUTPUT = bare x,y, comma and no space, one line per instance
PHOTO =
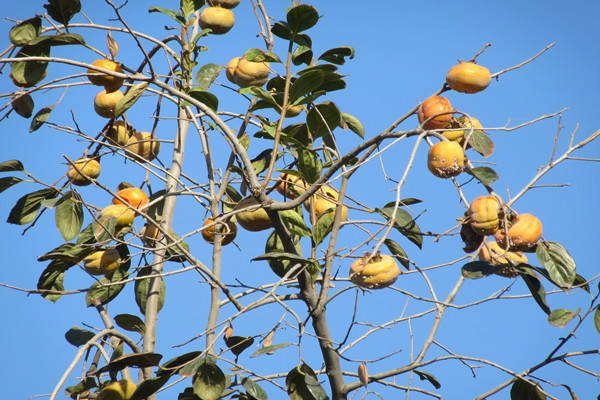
284,167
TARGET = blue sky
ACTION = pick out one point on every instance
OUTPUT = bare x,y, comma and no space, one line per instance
403,51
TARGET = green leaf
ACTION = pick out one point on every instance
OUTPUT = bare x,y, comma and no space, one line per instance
350,121
269,349
338,55
141,290
302,384
305,84
52,278
580,280
29,73
139,360
302,55
78,337
274,246
561,317
11,165
62,10
398,253
257,55
175,364
171,13
403,222
478,269
78,391
156,209
132,95
322,227
40,118
485,175
261,94
302,17
207,74
62,39
253,389
237,344
104,229
105,294
149,387
295,222
323,119
69,215
68,252
282,29
204,97
188,7
28,206
209,381
535,287
130,323
558,262
481,143
26,31
427,376
526,390
23,104
8,181
309,164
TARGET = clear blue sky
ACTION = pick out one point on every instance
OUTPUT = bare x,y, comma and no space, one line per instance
403,50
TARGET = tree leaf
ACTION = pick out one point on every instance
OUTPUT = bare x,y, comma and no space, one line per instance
83,387
350,121
29,73
558,262
209,381
338,55
269,349
526,390
302,17
171,13
274,246
302,384
282,29
305,84
141,290
52,278
40,118
27,207
113,46
323,127
130,323
322,227
105,294
207,74
561,317
139,360
149,387
302,55
481,143
132,95
23,104
398,253
188,7
62,10
485,175
8,181
61,39
597,319
68,252
78,337
175,364
309,164
478,269
535,287
427,376
295,222
237,344
26,31
69,215
403,222
11,165
204,97
253,389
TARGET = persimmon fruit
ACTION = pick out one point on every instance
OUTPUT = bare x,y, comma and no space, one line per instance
219,19
83,170
446,159
105,103
375,273
252,220
484,215
468,77
110,83
432,106
227,229
523,233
